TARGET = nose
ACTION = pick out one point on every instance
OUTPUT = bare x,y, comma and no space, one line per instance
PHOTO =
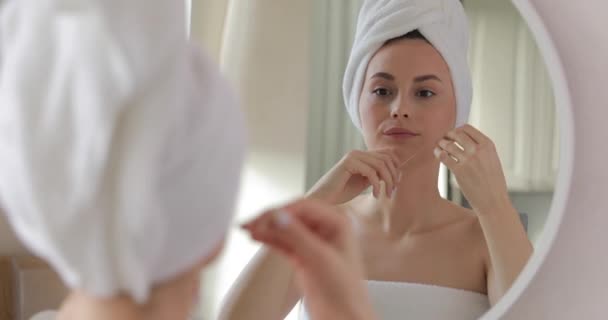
400,109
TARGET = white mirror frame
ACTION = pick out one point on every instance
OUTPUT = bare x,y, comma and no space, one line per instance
567,278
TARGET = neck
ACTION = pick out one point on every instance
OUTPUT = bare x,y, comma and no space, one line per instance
80,305
414,203
172,300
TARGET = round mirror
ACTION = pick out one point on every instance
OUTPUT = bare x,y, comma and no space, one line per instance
513,104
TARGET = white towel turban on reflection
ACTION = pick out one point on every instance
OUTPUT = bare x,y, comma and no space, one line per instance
121,145
442,22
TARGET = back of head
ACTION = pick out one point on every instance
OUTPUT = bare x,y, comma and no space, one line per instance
118,171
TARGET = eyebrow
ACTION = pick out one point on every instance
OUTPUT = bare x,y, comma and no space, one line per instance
427,77
422,78
383,75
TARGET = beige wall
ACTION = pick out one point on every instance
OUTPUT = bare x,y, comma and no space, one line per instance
266,55
264,49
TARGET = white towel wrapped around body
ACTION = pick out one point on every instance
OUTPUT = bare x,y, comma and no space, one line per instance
442,22
405,300
117,164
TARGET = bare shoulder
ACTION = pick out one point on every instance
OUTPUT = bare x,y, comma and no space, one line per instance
467,225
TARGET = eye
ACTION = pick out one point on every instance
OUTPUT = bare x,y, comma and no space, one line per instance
425,93
382,92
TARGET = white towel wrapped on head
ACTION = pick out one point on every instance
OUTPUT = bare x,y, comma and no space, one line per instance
121,144
442,22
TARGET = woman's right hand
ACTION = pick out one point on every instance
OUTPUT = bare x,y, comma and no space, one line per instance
319,242
354,173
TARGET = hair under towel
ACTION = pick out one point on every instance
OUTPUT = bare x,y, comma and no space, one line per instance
442,22
116,164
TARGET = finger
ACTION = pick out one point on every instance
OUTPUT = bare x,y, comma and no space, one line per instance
261,229
452,148
468,144
319,215
383,171
261,222
388,156
446,159
392,162
269,238
388,162
392,155
474,134
368,172
293,237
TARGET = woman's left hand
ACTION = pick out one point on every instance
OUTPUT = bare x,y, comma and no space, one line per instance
476,166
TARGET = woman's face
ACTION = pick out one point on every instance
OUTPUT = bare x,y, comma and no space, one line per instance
407,101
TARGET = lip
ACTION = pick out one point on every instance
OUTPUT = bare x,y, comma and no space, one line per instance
399,132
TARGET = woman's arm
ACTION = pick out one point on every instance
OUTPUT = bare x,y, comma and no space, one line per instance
477,168
264,290
508,246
